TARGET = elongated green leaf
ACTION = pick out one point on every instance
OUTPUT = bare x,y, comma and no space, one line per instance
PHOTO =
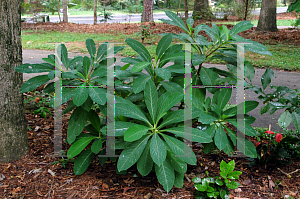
196,135
78,146
102,51
49,60
284,119
135,132
132,153
167,102
139,48
145,163
266,77
151,97
243,107
247,148
183,151
226,95
177,21
86,65
178,164
121,127
163,45
163,73
208,77
34,68
130,60
101,72
64,55
83,161
247,128
94,119
172,87
139,66
249,71
206,118
165,175
171,118
80,95
77,122
158,150
98,95
240,27
130,110
33,83
176,69
296,120
178,182
220,138
139,83
172,57
91,47
96,146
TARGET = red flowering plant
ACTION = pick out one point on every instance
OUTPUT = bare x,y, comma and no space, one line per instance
270,147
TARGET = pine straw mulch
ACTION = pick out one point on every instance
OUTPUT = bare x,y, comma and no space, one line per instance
34,176
288,35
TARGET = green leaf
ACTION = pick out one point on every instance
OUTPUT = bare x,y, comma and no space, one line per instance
176,69
243,107
219,182
33,83
296,120
163,45
139,66
98,95
247,147
165,175
183,151
266,78
198,29
34,68
198,59
94,119
80,95
145,163
130,60
171,57
77,122
135,132
178,164
234,175
249,71
247,127
172,86
208,77
178,182
221,138
206,118
226,95
102,159
102,51
284,119
101,72
240,27
49,60
158,150
64,55
130,110
139,83
96,146
163,73
78,146
294,6
171,118
83,161
121,127
140,49
233,185
175,20
86,65
151,97
91,47
132,153
167,102
196,135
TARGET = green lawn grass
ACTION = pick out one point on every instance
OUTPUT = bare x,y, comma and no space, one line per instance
284,22
285,56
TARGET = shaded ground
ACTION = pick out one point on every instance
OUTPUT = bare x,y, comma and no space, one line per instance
36,177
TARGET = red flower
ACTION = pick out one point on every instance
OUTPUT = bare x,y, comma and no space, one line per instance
258,143
278,137
269,132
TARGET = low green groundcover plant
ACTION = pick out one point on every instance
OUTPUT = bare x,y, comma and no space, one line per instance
149,126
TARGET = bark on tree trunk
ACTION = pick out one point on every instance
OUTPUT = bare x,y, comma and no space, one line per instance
267,17
65,11
58,10
186,10
202,10
13,130
95,12
148,11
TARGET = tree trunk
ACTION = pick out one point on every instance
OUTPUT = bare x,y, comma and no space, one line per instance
65,11
13,130
267,17
148,11
186,10
95,12
58,10
202,10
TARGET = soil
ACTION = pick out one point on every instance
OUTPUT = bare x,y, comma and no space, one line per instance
288,35
35,175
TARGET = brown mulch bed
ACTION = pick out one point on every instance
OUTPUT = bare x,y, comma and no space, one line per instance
31,177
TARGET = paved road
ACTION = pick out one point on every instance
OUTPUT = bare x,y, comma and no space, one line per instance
282,78
134,17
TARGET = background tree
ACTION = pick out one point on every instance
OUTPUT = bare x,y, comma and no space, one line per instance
65,11
147,11
267,17
13,131
95,12
202,10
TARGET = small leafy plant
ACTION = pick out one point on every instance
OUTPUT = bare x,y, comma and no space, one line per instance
219,186
144,32
43,111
